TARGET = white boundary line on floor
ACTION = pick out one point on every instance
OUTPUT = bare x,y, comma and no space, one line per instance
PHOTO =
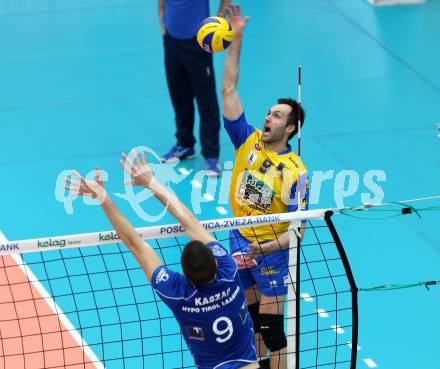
55,308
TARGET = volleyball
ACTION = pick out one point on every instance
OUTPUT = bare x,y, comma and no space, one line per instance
215,34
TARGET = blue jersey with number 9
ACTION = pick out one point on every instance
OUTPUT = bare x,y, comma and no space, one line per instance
213,318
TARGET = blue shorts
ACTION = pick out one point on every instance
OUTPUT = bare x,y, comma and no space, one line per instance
269,274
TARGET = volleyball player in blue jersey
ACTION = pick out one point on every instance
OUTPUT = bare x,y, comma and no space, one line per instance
208,300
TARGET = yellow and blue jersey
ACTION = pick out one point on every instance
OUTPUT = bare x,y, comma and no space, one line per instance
263,181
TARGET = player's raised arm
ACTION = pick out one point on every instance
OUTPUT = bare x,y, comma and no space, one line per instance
142,175
144,253
232,107
161,8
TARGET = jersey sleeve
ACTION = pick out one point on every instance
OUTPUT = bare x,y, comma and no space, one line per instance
226,266
170,285
304,188
238,130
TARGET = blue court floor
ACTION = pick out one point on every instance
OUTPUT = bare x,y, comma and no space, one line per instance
82,81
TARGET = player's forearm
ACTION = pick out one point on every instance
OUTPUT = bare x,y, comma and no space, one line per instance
161,7
281,243
231,67
169,201
172,203
122,226
144,253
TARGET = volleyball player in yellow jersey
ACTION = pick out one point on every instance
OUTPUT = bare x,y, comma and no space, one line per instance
264,181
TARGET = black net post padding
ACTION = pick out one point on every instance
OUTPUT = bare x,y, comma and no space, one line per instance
353,287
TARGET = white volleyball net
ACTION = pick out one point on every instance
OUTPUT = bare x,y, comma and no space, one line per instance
82,301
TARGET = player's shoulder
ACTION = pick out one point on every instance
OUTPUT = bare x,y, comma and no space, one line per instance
254,136
239,130
217,248
257,136
252,143
226,267
171,285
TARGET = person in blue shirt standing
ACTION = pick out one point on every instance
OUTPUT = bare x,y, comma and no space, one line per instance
190,74
208,300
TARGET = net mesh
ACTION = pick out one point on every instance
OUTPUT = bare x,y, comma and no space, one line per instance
94,308
328,304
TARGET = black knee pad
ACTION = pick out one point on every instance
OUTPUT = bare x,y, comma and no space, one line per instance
255,315
272,331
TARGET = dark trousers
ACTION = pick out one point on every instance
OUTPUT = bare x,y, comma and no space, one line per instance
190,74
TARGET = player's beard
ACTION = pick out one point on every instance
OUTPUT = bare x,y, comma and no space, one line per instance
274,136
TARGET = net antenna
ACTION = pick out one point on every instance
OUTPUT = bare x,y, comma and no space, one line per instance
298,188
293,328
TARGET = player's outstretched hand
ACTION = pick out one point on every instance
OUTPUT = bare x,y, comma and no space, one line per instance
235,20
85,187
255,249
139,170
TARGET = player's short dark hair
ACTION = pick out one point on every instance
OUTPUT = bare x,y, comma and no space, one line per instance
292,118
198,263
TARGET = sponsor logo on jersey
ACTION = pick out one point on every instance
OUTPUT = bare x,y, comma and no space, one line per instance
251,158
242,262
243,313
162,276
217,250
257,146
269,271
195,333
280,169
295,163
255,191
